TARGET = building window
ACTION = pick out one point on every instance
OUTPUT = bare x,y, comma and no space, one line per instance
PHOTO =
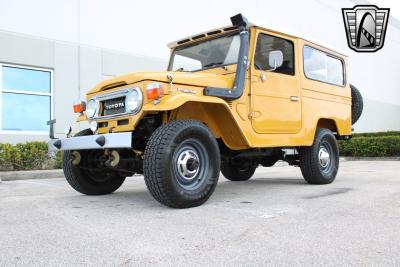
26,97
266,44
323,67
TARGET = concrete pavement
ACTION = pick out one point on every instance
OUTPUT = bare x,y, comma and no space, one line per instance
275,218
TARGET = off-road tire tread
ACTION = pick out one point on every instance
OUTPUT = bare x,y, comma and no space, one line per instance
73,177
309,167
156,150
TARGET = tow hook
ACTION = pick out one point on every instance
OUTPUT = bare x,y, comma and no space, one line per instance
113,159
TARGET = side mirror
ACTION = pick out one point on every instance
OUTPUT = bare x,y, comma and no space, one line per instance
275,59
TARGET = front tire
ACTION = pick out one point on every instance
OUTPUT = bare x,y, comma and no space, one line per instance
89,182
181,164
319,163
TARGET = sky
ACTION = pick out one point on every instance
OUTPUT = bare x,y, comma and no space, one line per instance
145,27
394,6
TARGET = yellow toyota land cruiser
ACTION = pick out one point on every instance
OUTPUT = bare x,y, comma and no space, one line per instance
232,99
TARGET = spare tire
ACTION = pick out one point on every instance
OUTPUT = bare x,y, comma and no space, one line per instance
357,104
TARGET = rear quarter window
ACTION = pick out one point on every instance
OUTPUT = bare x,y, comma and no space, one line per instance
322,67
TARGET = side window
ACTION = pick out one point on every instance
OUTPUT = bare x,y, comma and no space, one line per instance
322,67
266,44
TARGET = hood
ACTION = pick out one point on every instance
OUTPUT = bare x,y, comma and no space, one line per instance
185,78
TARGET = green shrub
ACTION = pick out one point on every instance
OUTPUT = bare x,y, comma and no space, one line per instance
58,157
372,146
377,134
28,156
7,153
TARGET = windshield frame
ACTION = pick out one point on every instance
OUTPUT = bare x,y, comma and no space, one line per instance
171,61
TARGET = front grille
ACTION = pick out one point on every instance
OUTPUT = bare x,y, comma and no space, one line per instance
113,106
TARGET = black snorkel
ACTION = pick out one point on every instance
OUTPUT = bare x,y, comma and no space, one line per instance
238,86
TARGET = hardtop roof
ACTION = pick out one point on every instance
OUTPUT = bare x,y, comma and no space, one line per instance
230,28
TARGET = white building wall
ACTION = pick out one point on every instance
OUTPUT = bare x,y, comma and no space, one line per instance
75,70
142,28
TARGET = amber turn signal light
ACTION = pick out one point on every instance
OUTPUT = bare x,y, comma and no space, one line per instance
154,91
79,107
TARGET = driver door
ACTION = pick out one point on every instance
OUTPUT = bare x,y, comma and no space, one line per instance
276,103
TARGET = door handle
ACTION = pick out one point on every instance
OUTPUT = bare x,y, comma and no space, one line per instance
294,98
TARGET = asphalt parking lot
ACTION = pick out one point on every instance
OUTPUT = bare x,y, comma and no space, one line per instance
275,218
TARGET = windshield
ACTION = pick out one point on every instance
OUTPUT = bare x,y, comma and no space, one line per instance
208,54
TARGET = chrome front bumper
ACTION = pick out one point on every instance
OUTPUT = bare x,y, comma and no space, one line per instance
100,141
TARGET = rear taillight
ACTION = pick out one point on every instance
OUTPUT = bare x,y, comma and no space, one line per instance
79,107
154,91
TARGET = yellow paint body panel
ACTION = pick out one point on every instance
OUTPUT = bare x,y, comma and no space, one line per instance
196,79
264,116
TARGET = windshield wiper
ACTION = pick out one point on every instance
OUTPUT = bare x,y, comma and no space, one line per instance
213,64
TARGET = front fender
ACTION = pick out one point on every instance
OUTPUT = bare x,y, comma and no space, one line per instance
170,102
212,111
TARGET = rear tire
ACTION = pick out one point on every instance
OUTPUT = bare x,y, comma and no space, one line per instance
181,164
90,182
319,163
235,172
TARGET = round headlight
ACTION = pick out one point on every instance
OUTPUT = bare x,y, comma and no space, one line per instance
133,100
91,108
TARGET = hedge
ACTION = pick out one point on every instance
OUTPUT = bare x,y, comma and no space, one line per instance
34,155
377,134
378,144
28,156
371,146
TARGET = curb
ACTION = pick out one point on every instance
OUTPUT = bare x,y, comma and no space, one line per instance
25,175
370,158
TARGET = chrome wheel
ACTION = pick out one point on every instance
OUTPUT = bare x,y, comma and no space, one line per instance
325,157
190,164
